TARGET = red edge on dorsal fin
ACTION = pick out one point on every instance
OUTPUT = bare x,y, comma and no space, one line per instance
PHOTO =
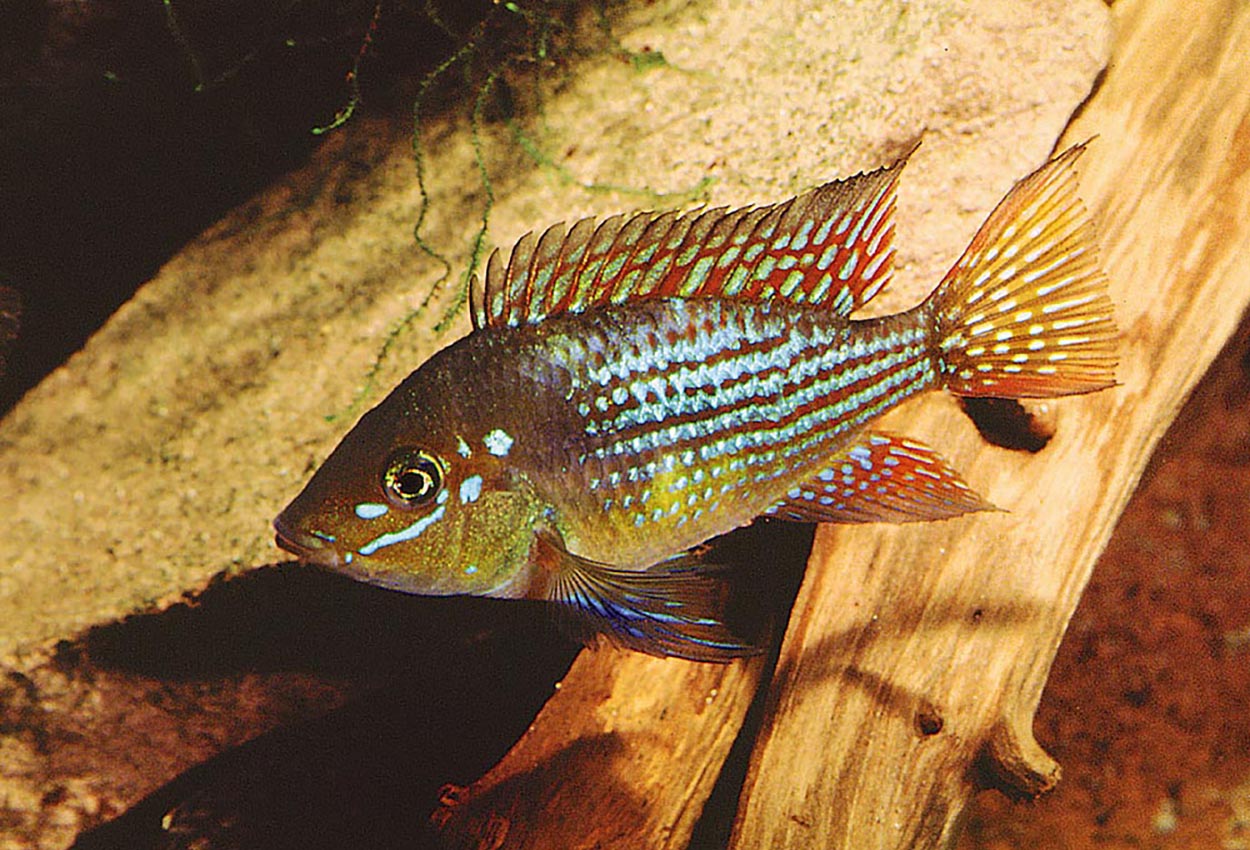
830,248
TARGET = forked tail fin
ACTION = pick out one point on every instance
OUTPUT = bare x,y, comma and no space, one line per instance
1025,312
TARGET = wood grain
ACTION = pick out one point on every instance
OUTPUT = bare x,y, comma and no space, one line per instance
155,458
631,753
916,656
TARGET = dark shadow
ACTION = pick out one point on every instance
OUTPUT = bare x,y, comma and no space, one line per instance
1008,424
128,128
766,562
292,617
365,776
774,588
450,685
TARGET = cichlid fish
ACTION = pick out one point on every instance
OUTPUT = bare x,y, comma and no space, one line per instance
636,386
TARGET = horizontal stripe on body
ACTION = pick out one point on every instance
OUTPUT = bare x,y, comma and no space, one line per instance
719,411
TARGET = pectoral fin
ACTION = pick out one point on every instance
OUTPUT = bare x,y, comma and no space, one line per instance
881,478
668,610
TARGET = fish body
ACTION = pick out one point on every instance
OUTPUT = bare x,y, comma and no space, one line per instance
638,386
667,422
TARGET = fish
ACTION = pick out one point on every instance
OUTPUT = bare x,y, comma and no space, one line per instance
635,386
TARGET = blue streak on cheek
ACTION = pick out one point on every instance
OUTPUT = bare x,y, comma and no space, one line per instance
371,510
411,532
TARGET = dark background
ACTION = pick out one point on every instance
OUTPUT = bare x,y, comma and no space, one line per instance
126,128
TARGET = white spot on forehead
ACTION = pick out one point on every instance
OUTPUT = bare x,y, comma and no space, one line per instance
498,442
411,532
371,510
470,489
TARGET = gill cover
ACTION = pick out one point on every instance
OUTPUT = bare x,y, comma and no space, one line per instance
405,503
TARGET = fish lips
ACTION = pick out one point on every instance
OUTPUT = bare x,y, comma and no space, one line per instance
309,547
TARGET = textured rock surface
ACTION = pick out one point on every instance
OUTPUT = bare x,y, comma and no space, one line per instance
154,460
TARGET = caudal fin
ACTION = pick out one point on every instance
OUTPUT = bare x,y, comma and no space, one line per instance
1025,312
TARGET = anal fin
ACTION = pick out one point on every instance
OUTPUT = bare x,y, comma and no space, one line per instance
881,478
670,609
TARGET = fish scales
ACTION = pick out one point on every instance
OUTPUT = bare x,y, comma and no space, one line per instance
636,386
694,413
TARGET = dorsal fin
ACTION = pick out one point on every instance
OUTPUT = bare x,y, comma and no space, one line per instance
829,247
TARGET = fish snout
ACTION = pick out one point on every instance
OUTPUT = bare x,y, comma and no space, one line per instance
310,547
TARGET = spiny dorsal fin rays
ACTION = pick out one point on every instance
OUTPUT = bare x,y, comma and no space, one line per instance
668,610
830,247
881,477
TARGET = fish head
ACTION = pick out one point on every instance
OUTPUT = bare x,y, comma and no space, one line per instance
417,500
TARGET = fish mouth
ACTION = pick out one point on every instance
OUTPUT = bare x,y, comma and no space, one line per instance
309,547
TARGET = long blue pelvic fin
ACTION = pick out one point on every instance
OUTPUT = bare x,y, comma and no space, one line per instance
668,610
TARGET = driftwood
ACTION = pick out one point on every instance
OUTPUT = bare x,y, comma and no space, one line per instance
915,657
154,459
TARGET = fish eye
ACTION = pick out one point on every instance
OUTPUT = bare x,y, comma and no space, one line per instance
412,478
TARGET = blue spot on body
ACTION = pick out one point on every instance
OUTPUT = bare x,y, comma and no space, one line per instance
470,489
498,442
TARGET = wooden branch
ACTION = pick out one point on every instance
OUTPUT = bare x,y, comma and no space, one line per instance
916,657
598,767
155,458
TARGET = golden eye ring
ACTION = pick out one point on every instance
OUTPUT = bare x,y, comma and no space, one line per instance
412,478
